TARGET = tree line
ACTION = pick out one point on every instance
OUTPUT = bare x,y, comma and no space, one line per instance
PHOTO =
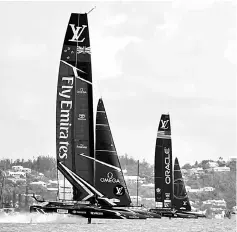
40,164
224,183
205,164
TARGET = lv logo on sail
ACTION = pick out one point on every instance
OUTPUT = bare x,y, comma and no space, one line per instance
119,191
77,33
164,124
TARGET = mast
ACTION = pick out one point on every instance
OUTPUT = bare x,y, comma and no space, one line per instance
137,179
163,165
2,175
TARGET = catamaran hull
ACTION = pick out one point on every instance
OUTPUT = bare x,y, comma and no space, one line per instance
177,214
198,215
184,215
142,213
163,213
148,214
88,212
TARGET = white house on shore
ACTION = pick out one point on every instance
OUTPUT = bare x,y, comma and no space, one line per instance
215,202
204,189
212,164
233,158
21,169
196,171
26,170
35,183
219,169
16,174
17,168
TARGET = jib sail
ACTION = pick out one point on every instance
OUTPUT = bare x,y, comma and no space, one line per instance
109,178
181,201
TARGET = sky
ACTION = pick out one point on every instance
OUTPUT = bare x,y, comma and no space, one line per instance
148,58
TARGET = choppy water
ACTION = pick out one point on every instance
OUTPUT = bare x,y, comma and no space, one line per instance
59,223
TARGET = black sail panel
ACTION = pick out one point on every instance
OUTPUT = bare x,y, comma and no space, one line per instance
181,200
109,178
163,164
75,138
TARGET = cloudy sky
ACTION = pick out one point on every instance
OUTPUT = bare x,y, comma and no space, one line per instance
148,58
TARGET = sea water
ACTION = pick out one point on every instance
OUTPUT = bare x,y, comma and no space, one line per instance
62,223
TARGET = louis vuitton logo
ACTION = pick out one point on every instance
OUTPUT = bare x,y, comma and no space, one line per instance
77,31
119,191
164,124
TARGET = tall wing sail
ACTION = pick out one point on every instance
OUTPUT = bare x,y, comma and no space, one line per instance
163,164
181,200
74,113
109,178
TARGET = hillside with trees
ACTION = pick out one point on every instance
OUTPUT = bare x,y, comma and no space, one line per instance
224,183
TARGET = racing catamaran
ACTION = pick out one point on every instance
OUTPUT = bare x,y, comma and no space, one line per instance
78,193
170,194
163,169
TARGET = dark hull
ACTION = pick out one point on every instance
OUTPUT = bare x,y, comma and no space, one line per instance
163,212
184,215
90,211
177,214
146,213
198,215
